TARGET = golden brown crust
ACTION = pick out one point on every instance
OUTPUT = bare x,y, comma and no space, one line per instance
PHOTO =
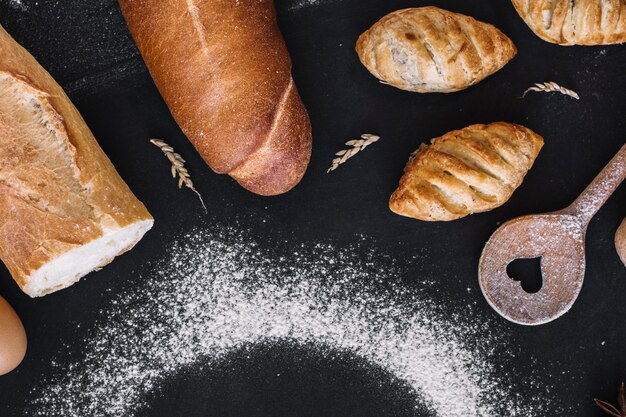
575,22
620,241
224,71
58,190
428,50
466,171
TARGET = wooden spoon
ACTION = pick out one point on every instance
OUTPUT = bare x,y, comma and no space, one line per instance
559,239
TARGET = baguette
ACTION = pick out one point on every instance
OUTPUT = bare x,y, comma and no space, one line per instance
64,210
224,71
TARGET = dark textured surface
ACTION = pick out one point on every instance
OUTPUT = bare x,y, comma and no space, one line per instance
85,45
261,384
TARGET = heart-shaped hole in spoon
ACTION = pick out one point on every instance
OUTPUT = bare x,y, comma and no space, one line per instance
528,272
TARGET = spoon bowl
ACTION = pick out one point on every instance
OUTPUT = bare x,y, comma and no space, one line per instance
558,239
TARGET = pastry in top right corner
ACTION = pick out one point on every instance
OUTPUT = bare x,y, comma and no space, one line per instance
575,22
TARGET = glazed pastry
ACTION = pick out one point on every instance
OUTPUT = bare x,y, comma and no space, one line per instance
620,241
575,22
466,171
430,50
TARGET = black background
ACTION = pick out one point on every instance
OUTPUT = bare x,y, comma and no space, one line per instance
86,46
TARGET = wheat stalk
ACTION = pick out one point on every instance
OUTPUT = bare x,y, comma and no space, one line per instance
551,86
178,167
356,146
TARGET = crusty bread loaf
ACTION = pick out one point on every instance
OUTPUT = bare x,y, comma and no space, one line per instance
431,50
64,210
620,241
466,171
225,73
575,22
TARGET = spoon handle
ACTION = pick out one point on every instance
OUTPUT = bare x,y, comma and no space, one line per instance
600,189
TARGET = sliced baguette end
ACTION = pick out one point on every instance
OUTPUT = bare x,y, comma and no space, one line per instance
69,267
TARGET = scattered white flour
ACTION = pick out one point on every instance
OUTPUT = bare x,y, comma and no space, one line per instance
217,293
18,4
302,4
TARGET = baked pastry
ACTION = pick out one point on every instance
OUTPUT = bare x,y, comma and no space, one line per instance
431,50
575,22
620,241
224,71
64,210
466,171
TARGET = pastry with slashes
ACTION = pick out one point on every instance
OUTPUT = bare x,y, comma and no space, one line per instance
575,22
431,50
466,171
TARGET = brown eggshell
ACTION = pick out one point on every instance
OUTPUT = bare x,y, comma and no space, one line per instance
12,338
620,241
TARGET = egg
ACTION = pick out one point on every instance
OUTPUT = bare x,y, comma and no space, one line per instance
12,338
